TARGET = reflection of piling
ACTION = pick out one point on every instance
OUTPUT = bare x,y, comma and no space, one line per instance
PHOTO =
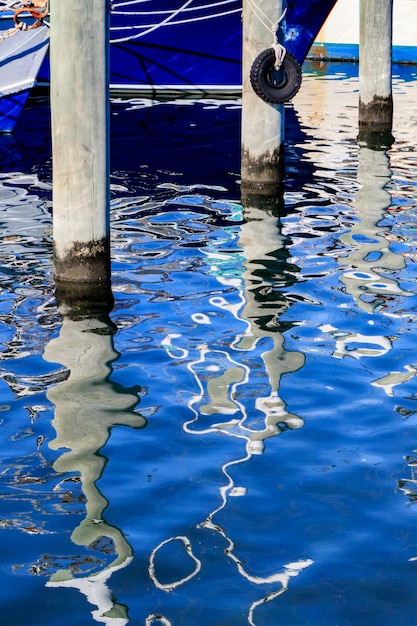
79,108
264,249
375,66
269,199
77,301
88,405
373,266
262,124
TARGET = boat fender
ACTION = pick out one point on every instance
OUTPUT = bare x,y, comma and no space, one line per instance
35,13
275,83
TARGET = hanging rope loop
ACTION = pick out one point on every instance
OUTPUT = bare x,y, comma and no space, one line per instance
280,52
270,25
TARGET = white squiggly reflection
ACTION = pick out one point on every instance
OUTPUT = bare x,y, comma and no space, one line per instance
374,274
357,345
98,593
170,586
154,620
391,380
221,372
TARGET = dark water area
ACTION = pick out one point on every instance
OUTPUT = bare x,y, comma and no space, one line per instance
234,441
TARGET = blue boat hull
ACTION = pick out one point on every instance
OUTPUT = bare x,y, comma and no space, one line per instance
194,53
205,59
172,45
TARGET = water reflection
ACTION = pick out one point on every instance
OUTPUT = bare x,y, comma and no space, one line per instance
374,269
87,406
325,491
223,373
373,274
409,485
267,272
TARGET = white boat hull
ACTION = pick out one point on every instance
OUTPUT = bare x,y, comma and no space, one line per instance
338,39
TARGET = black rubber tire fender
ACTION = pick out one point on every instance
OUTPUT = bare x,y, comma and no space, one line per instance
271,86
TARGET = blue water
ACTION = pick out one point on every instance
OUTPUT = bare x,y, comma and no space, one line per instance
235,441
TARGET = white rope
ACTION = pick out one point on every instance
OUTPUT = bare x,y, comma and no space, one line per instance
269,24
280,52
11,5
9,33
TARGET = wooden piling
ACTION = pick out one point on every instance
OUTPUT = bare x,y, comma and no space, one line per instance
375,66
262,123
80,140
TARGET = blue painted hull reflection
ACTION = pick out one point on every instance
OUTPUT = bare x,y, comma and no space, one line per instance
233,327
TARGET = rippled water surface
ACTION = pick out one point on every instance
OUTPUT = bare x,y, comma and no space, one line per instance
235,441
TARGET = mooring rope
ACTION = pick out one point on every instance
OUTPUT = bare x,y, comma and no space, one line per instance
13,5
269,24
42,5
8,6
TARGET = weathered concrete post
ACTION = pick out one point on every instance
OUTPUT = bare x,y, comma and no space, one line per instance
375,67
262,123
80,120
